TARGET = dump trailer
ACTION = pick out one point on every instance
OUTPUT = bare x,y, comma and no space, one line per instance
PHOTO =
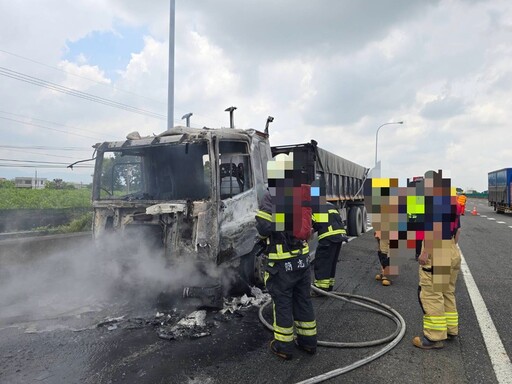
499,187
189,196
342,178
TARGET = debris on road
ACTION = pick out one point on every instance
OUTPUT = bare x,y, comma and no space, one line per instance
175,324
109,322
193,326
237,303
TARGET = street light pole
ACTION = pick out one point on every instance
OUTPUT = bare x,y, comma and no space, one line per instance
170,86
377,138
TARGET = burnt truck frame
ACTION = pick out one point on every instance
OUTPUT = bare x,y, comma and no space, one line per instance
192,195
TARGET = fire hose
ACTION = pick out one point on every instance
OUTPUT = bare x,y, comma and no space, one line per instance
384,310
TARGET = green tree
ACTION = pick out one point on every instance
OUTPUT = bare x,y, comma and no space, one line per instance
55,184
7,184
109,180
59,184
121,173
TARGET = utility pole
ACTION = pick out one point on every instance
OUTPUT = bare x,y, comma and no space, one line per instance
170,95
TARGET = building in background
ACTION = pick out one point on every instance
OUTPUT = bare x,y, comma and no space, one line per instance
30,182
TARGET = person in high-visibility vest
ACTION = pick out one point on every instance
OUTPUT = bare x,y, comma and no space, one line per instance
331,235
439,266
461,200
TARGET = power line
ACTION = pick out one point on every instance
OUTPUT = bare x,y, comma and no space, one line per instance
34,161
81,77
38,164
53,122
195,124
44,147
36,153
51,129
73,92
43,166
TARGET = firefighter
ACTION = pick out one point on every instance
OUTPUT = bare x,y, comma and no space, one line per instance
287,278
383,254
439,266
331,235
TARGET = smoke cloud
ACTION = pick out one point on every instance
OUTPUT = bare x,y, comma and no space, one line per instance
124,271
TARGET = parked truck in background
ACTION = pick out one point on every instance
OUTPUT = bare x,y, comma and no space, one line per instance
499,190
191,195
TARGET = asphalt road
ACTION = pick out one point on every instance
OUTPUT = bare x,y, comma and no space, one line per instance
74,344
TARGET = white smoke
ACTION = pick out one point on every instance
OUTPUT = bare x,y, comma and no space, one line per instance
89,278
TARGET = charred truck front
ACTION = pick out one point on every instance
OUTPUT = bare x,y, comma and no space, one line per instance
189,195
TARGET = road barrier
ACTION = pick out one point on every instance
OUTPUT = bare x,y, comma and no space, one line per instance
22,250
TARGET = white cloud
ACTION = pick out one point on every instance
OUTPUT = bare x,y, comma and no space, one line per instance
331,71
82,76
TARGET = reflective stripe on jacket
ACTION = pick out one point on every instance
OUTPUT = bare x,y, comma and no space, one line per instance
333,229
281,245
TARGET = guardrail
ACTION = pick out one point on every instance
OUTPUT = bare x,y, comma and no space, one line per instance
477,195
25,249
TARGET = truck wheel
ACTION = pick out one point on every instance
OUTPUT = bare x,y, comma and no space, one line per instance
364,212
355,221
252,267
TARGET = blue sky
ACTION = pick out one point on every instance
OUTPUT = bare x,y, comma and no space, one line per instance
109,50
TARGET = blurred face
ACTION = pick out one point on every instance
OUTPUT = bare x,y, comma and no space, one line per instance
290,193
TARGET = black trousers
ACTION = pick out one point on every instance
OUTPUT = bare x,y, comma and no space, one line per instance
290,292
383,259
326,259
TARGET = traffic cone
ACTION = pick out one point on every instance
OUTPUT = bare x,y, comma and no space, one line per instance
474,212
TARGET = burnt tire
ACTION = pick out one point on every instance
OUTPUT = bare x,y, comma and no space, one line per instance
355,221
250,269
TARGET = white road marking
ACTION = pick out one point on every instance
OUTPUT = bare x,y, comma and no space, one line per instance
491,218
501,222
510,226
483,216
499,358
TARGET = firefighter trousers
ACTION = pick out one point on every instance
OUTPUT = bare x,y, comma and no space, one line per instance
436,292
292,306
326,259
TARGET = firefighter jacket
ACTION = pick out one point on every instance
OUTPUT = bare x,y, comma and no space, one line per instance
331,230
281,245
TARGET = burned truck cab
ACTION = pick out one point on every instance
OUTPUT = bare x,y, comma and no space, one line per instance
187,195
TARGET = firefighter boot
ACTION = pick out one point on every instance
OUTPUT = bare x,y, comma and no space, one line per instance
310,350
424,343
275,350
